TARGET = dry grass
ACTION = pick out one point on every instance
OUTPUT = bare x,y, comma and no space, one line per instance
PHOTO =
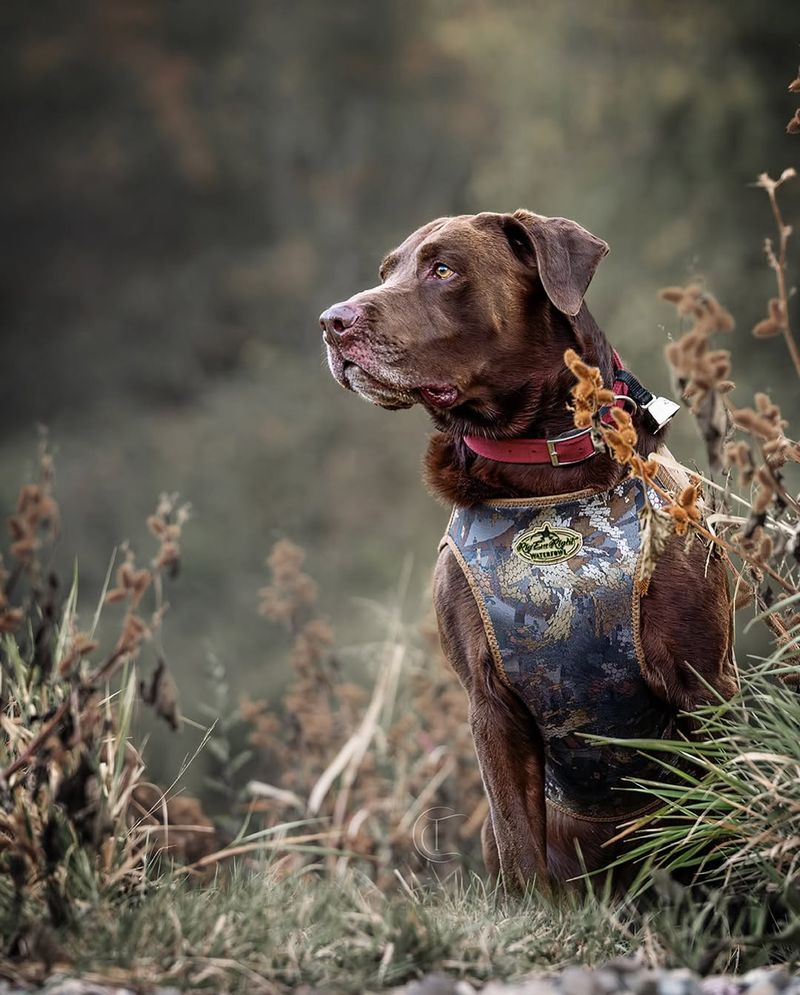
755,528
78,820
371,763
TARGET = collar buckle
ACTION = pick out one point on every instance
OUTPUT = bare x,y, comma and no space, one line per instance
557,460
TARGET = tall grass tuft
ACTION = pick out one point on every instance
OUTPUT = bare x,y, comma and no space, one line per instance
72,825
731,805
377,766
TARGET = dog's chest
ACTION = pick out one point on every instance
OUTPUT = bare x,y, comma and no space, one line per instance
553,579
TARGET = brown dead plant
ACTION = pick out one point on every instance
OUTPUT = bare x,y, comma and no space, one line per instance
757,528
377,766
71,818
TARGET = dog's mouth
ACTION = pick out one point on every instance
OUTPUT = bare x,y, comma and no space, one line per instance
377,390
440,395
374,390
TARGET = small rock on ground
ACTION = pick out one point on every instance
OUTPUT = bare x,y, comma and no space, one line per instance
621,977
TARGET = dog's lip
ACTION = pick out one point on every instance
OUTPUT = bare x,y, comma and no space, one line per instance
363,382
440,395
337,363
344,370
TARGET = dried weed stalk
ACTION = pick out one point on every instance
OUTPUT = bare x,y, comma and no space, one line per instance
793,126
701,373
757,530
376,766
70,822
777,320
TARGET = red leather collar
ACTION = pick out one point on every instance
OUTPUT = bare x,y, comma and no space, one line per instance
564,450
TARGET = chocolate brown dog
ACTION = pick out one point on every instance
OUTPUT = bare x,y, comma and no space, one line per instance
471,320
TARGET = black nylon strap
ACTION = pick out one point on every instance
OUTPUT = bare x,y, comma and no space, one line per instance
640,394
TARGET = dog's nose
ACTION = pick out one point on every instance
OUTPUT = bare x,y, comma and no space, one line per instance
338,320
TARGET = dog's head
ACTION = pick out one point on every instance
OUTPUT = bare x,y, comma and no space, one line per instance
466,309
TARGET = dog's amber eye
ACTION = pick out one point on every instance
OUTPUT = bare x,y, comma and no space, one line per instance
442,271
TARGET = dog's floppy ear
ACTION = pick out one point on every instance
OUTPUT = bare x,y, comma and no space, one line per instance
565,255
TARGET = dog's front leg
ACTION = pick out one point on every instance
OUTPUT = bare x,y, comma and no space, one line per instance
506,738
513,776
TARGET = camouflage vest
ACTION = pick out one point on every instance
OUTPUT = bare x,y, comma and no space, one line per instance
553,580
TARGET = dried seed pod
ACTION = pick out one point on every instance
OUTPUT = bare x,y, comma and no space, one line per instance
776,311
766,407
703,379
764,549
689,302
766,328
749,421
688,498
11,619
680,517
133,631
162,694
762,500
24,548
732,453
156,525
725,322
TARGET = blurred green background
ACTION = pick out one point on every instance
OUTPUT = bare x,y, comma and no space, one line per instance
185,186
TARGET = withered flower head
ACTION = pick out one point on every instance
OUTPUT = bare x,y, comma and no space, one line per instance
588,394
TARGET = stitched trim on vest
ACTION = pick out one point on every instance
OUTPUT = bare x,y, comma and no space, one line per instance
620,818
667,482
547,500
488,628
636,618
543,501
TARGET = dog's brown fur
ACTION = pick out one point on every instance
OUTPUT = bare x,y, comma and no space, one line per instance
483,350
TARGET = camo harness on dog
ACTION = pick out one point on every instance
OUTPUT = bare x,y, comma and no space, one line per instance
553,579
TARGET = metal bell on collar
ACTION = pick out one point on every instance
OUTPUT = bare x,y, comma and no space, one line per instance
658,410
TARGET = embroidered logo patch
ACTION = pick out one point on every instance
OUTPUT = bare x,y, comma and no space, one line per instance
547,544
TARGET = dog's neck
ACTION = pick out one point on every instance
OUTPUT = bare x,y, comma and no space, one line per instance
459,476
